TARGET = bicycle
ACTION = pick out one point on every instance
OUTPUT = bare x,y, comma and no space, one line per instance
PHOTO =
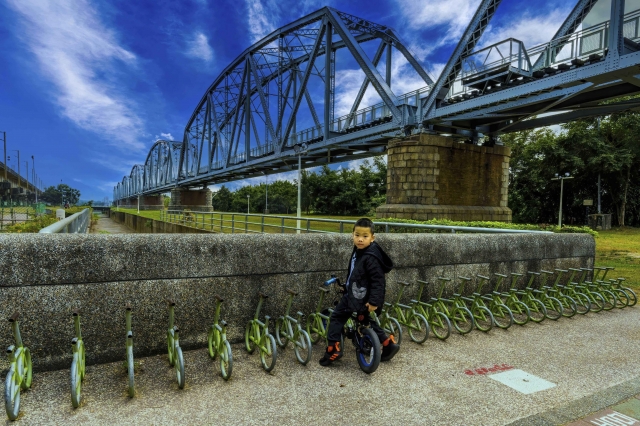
519,310
583,304
482,316
257,334
389,324
537,310
617,284
78,363
409,317
176,360
20,371
365,340
129,353
502,315
552,305
596,299
568,305
218,343
459,315
290,329
622,297
438,321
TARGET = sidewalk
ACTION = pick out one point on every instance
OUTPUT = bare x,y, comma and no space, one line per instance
109,226
555,373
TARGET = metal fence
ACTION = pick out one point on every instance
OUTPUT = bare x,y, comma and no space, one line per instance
258,224
75,224
12,214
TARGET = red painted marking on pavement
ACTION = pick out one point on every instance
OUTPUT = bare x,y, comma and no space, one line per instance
484,370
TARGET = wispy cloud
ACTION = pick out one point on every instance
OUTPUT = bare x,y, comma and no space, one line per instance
163,136
531,29
198,47
455,15
81,57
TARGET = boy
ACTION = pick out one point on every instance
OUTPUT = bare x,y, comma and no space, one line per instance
363,292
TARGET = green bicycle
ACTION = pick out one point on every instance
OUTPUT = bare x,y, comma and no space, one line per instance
537,310
622,297
257,334
438,321
519,310
553,305
20,371
569,306
289,328
596,299
460,316
583,304
129,353
389,324
502,315
218,343
78,363
617,284
482,316
318,321
176,360
409,317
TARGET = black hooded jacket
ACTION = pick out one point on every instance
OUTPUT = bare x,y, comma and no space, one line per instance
367,282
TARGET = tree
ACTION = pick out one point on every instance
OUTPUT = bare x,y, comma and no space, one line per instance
222,199
60,194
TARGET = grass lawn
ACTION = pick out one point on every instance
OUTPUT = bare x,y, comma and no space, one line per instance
620,248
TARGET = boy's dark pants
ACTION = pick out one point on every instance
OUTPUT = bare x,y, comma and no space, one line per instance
339,317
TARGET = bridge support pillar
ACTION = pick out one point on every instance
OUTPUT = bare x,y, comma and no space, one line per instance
436,177
185,198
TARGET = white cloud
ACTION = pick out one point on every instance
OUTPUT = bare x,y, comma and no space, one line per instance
198,47
530,29
80,56
163,136
261,19
455,14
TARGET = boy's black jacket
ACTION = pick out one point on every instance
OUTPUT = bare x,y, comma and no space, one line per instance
367,283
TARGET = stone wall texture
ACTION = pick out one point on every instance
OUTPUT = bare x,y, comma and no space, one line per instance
45,277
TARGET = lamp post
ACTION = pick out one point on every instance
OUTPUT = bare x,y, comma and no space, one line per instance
561,179
248,203
299,148
19,176
4,139
33,181
266,193
27,175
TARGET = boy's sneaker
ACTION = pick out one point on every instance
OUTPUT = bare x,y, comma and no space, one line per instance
333,353
389,349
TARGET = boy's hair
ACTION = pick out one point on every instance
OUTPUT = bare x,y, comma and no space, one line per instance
365,223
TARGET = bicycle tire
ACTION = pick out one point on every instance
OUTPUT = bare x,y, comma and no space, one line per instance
394,327
83,364
440,325
622,298
226,360
502,316
554,308
281,333
213,352
483,318
76,383
368,352
302,347
569,306
609,299
520,311
172,360
131,372
267,359
419,328
248,344
313,329
633,299
597,301
11,396
583,304
28,370
462,320
179,360
537,310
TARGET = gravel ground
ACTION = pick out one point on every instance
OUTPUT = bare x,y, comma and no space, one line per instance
428,384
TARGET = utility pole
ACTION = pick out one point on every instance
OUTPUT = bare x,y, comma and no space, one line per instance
4,138
561,179
33,171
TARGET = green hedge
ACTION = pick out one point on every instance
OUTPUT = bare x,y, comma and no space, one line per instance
484,224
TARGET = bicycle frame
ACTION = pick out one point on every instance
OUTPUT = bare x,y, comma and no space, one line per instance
176,359
409,317
218,343
317,322
289,328
257,335
20,372
129,352
78,363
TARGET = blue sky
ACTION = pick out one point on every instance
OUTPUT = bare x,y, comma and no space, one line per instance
88,86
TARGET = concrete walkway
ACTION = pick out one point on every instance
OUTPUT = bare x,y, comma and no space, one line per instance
109,226
587,363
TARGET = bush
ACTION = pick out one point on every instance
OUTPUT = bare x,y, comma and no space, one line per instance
31,226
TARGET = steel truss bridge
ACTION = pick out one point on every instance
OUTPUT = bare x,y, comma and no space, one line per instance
249,121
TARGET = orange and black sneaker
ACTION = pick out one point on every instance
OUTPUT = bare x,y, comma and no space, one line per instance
389,348
333,353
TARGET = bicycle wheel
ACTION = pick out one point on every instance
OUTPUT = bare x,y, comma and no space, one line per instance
130,372
583,304
248,343
368,351
76,382
179,361
483,318
502,316
622,299
520,311
597,301
609,299
554,308
393,327
314,327
11,395
632,296
569,306
172,361
302,346
440,325
28,371
226,360
462,320
418,328
269,354
281,332
537,310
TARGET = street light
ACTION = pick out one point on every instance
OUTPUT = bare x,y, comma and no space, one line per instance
299,148
248,203
561,179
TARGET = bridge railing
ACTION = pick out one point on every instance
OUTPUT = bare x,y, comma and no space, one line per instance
75,224
245,223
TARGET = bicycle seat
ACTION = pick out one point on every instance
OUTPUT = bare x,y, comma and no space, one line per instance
171,302
223,323
533,273
128,307
323,288
14,317
497,275
292,292
483,277
218,298
264,296
76,312
404,283
562,270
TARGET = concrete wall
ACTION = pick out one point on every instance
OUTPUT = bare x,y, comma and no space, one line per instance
46,276
150,226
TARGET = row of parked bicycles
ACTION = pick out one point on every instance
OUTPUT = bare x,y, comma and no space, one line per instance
546,295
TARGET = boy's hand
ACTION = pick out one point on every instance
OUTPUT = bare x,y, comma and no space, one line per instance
371,307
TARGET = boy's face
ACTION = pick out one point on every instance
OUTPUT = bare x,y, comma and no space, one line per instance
362,237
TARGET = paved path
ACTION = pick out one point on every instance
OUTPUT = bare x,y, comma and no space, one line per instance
109,226
590,361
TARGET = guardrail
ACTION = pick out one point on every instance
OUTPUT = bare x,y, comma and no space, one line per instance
74,224
260,224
